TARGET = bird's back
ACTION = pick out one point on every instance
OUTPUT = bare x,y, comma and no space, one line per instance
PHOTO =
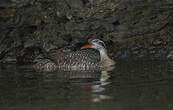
82,59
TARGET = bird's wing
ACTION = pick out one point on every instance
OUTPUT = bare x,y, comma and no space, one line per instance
86,56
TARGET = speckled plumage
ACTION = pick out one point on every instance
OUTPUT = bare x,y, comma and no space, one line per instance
45,65
94,57
82,59
78,60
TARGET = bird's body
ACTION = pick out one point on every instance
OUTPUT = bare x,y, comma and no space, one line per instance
79,59
83,59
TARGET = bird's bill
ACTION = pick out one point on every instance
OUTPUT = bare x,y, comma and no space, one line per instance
87,46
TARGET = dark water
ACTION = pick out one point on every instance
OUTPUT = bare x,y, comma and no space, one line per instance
132,85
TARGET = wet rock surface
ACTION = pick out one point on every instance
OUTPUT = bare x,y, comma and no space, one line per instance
131,29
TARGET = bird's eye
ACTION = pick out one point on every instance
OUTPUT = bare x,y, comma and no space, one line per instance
95,41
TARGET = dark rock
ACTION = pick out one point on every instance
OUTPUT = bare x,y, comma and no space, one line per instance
75,4
141,28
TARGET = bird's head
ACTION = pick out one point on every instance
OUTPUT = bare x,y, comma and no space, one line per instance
95,44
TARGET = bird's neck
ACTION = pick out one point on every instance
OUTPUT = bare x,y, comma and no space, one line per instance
105,60
103,53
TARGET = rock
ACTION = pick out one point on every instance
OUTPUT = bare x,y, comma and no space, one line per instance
54,24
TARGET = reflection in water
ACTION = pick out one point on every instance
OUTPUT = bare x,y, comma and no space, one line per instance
28,85
132,85
93,93
92,82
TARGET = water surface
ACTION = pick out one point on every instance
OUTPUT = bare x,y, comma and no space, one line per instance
132,85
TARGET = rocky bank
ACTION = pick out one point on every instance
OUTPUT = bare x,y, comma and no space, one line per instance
32,29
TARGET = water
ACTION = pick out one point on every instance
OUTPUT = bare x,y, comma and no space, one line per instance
132,85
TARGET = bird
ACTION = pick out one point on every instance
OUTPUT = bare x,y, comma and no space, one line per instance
91,56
